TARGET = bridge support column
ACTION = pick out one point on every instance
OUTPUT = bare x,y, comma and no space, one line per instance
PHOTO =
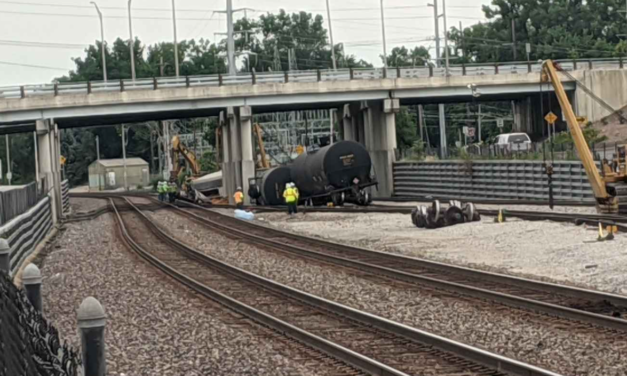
236,149
45,145
523,116
248,162
227,173
380,130
347,123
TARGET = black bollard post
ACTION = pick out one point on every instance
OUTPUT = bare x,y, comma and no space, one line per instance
31,278
91,324
5,256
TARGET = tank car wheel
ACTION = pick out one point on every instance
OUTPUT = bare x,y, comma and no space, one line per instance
454,216
421,217
471,213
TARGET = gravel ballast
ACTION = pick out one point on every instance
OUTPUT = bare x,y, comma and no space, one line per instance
550,251
154,326
513,333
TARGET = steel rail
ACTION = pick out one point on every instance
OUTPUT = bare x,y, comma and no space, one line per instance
493,361
380,269
359,361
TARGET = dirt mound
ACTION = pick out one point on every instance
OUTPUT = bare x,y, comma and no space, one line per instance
611,127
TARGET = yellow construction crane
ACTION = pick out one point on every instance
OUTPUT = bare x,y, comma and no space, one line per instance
609,185
262,149
178,150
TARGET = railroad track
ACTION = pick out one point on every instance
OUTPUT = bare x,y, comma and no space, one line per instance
563,302
576,218
364,343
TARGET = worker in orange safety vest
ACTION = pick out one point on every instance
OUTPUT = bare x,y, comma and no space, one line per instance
239,198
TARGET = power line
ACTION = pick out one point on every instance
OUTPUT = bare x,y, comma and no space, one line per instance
41,44
107,17
33,66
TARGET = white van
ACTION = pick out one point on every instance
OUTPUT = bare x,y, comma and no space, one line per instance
514,142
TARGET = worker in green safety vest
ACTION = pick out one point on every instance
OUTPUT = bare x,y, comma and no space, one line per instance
290,196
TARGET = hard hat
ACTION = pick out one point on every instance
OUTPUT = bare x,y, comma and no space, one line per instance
239,188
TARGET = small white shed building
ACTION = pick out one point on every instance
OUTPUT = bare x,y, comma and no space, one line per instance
108,174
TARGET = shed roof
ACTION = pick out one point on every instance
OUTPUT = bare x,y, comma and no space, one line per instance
120,162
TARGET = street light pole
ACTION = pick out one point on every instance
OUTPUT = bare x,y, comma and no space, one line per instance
131,42
445,37
176,47
436,18
385,50
331,36
102,41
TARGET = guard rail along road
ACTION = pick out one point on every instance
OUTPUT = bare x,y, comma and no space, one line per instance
253,78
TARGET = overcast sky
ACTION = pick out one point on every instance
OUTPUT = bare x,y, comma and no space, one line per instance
44,35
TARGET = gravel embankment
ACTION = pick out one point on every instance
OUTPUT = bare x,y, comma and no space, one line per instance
513,333
154,326
549,251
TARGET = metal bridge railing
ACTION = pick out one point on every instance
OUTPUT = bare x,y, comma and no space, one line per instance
57,89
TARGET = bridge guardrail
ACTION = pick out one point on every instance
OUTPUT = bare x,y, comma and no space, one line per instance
56,89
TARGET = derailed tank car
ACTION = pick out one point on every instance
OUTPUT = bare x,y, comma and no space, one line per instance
336,173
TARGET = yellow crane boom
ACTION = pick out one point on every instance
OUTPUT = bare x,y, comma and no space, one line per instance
178,148
606,188
262,148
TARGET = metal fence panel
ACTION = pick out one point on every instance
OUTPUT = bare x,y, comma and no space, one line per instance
522,180
17,201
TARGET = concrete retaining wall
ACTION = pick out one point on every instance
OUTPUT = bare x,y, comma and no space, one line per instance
491,179
26,231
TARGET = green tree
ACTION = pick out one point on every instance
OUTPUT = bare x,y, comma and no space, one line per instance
556,29
402,57
277,42
406,129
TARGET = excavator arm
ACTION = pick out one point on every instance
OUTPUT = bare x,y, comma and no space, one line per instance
596,181
262,148
179,149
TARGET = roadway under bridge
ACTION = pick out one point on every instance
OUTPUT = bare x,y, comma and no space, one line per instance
367,101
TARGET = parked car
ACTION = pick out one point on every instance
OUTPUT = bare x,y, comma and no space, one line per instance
513,142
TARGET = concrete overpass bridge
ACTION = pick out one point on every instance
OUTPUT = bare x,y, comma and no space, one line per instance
367,100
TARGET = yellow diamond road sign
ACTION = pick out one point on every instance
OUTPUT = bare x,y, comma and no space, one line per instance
63,160
551,118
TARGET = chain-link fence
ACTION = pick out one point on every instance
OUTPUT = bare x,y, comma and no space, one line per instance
30,345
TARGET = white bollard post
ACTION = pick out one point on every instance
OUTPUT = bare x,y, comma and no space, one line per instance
5,256
91,324
31,278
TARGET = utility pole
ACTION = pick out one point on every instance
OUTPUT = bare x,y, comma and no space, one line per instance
124,156
331,36
176,45
461,33
131,42
436,18
514,39
421,120
230,42
385,49
97,148
445,38
9,174
102,41
479,121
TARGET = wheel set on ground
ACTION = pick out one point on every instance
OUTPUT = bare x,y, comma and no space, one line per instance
435,216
